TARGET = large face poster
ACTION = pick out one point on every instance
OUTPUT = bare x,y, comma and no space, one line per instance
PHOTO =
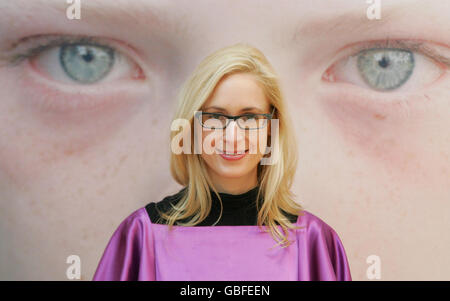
89,91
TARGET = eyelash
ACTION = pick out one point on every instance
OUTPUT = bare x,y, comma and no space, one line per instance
30,47
410,45
55,41
41,43
388,43
48,42
403,105
35,45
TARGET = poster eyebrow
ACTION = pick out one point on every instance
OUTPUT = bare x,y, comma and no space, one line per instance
140,13
333,23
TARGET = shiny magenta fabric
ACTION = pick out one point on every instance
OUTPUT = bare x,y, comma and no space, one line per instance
142,250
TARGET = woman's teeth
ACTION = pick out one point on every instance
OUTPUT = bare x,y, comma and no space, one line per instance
232,154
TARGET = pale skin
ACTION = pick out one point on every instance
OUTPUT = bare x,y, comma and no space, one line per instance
376,171
237,176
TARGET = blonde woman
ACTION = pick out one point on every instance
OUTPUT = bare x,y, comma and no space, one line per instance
234,153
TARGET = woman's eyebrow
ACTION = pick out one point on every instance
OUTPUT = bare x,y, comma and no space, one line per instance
246,109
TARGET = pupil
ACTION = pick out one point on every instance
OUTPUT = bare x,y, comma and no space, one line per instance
88,57
384,62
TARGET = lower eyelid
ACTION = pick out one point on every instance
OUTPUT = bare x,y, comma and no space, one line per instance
48,96
425,72
48,64
435,53
29,50
393,108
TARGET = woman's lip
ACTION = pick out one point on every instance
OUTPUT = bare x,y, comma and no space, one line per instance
221,152
233,157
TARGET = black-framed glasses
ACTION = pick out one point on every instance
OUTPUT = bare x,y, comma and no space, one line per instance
218,121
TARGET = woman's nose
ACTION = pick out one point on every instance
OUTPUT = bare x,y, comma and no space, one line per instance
233,133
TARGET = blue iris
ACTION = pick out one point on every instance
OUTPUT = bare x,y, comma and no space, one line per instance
385,69
86,64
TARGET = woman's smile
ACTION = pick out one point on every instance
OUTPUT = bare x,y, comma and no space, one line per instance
232,156
231,153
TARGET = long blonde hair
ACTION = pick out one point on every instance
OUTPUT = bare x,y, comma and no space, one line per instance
274,180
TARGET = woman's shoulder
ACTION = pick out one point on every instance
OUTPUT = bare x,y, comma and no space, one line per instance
321,243
312,223
137,216
150,212
153,209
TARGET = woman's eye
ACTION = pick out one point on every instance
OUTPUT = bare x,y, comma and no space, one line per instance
84,64
385,69
248,117
212,117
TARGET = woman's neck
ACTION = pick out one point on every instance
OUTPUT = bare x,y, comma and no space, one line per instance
234,185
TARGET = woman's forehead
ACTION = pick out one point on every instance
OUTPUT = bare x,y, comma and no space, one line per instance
236,109
238,92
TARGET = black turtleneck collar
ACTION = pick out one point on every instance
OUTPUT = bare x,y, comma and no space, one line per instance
238,209
236,200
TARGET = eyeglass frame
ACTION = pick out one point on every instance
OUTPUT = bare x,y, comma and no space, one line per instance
199,114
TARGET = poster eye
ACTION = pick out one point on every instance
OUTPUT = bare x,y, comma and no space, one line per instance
84,64
385,69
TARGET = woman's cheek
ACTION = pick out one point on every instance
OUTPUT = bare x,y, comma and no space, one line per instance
406,141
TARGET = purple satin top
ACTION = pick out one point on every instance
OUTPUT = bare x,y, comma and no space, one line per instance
142,250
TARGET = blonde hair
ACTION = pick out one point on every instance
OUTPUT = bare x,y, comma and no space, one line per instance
274,180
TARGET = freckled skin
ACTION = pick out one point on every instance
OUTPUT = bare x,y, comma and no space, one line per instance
385,137
61,170
45,137
380,179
